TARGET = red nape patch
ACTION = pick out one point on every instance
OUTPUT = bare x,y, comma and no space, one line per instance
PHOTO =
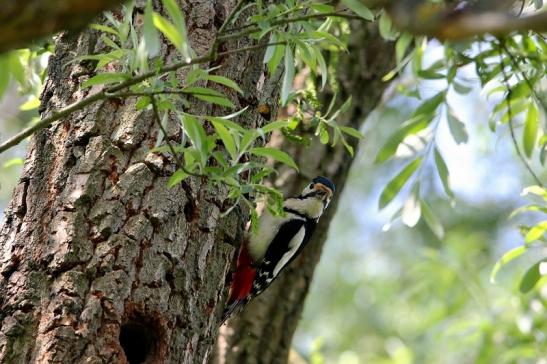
243,278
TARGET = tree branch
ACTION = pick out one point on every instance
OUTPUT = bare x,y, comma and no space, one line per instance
109,91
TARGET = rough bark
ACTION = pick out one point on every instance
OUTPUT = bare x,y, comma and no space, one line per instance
264,330
24,21
100,261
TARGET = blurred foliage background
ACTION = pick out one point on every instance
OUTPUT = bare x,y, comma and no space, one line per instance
386,293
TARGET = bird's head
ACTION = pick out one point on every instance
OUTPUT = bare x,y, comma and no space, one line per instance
321,188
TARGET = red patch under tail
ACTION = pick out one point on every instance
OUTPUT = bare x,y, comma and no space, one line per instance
242,282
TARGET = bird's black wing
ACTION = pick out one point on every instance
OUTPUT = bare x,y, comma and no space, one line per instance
277,250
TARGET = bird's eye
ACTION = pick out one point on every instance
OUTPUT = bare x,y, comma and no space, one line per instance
311,186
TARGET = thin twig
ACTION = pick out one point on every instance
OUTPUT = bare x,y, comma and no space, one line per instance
511,126
288,21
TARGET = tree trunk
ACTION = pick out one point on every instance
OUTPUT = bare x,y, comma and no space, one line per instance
100,261
263,332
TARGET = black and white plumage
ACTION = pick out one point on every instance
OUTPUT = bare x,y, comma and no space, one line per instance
279,240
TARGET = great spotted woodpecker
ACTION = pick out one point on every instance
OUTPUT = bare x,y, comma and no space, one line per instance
277,242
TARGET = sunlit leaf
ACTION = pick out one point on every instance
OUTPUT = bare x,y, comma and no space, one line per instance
412,209
227,139
196,133
394,186
169,30
351,131
14,162
536,232
531,126
506,258
31,104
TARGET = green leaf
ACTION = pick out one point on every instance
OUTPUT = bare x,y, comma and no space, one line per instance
288,77
359,8
457,128
442,169
196,133
227,139
270,50
275,154
176,178
461,89
4,74
150,35
178,20
413,126
273,63
322,66
531,126
394,186
104,28
276,125
105,78
536,232
506,258
430,105
385,27
402,45
351,131
532,276
14,162
209,95
249,136
31,104
224,81
431,220
169,30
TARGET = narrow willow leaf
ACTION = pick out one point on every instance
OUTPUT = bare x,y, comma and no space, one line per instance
270,50
531,126
412,210
169,30
359,8
178,20
225,81
506,258
31,104
275,154
537,232
394,186
105,78
150,35
385,27
531,277
273,63
322,66
288,77
402,45
5,74
430,105
413,126
227,140
461,89
351,131
14,162
176,178
275,126
431,220
457,128
196,133
104,28
442,169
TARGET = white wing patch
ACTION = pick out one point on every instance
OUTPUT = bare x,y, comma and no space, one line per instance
294,244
